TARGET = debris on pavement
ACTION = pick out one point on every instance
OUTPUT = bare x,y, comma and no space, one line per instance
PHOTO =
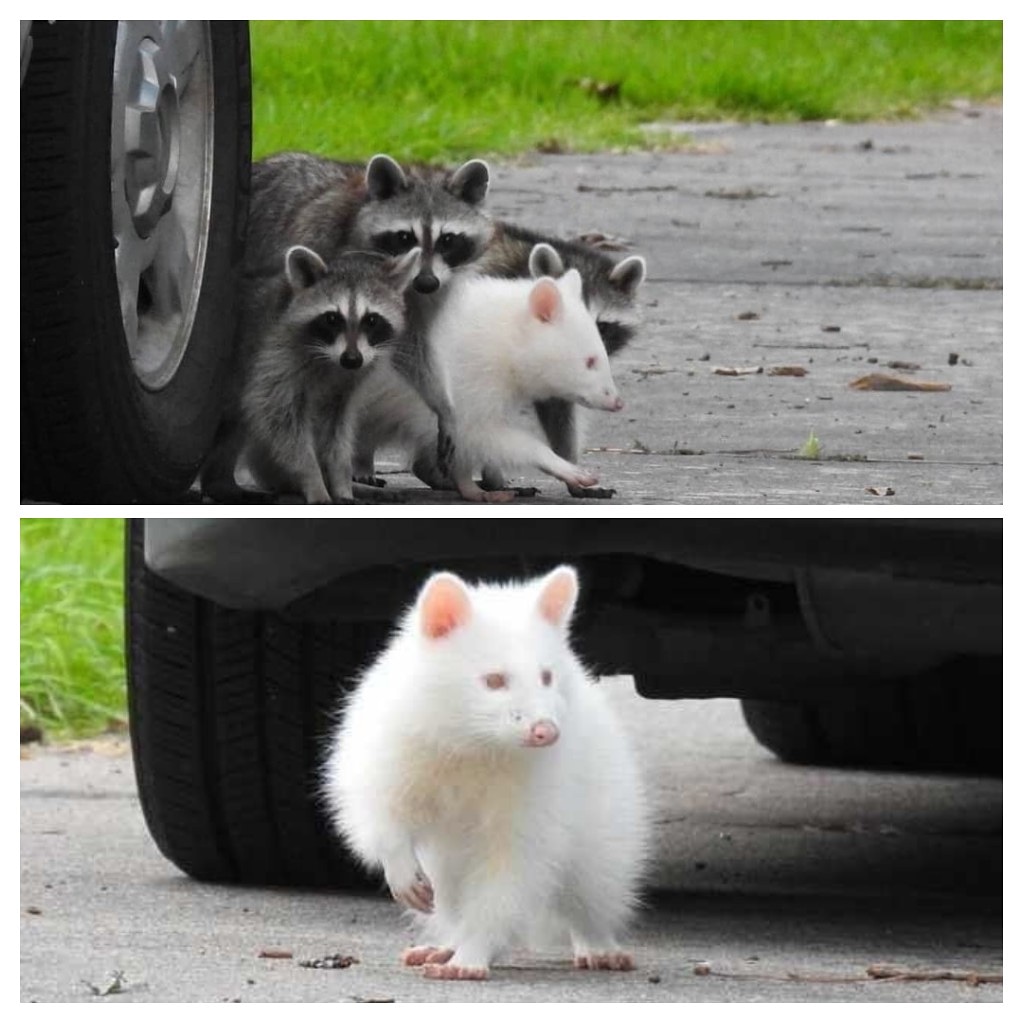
736,371
332,962
787,371
275,954
115,985
884,382
875,972
880,492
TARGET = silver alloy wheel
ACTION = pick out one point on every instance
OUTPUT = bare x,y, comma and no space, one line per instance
161,163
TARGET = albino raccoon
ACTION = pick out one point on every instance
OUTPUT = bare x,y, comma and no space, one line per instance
500,346
482,770
609,290
306,338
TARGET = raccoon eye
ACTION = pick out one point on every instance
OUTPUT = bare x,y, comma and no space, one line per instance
376,328
395,243
496,680
327,326
591,362
545,677
455,248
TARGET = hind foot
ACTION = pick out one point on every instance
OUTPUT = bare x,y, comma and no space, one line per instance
453,972
417,956
615,961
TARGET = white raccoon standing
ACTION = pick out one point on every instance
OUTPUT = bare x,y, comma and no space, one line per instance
498,346
479,766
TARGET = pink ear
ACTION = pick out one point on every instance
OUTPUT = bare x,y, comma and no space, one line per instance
545,301
558,595
444,605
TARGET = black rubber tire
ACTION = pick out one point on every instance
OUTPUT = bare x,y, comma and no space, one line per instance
90,431
229,712
947,720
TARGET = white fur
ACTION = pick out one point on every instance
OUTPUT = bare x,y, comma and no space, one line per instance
496,358
427,776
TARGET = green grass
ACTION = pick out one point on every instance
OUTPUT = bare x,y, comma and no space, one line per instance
448,90
72,650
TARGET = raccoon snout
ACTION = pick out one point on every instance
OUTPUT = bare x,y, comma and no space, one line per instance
426,283
542,734
351,360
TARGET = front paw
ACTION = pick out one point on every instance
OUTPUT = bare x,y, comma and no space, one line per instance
410,886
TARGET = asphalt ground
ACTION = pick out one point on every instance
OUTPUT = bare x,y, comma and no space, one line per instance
769,883
832,250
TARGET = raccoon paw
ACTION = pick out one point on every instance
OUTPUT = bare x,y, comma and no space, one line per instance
614,961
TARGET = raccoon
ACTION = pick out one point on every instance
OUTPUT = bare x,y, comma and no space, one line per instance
307,337
609,290
501,345
332,207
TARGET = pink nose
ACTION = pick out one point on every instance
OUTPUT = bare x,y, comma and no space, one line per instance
542,733
617,404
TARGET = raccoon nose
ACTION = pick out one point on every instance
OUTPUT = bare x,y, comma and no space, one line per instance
351,360
426,283
542,733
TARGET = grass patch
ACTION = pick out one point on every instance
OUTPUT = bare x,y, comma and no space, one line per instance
449,90
72,635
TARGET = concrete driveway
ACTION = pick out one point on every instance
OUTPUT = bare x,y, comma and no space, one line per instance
769,883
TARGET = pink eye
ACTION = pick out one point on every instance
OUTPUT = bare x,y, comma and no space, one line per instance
495,681
545,677
591,362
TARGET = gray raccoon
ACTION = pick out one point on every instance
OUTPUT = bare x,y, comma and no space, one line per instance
332,206
307,337
609,291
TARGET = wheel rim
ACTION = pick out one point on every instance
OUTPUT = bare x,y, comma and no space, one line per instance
161,160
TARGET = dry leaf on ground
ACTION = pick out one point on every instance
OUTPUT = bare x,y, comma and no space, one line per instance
883,382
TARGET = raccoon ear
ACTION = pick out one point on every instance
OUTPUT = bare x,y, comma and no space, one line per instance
558,593
303,267
444,605
402,269
545,261
627,275
384,178
545,300
470,182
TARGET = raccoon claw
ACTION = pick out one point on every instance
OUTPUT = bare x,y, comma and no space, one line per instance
617,961
592,492
417,956
453,972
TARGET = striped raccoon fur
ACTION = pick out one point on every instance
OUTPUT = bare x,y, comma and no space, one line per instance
307,337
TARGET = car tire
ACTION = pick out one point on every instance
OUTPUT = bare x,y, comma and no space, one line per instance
135,155
949,719
229,714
